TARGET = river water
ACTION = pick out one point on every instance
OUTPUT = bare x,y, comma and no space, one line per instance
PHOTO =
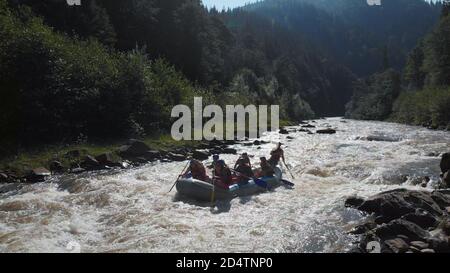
132,211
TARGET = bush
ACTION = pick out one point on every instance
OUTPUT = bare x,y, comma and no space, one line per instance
429,106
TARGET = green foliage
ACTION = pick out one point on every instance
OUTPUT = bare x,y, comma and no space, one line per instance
373,98
429,106
56,88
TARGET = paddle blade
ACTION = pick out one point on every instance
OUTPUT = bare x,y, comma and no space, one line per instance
287,183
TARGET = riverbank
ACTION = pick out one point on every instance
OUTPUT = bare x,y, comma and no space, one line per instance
40,163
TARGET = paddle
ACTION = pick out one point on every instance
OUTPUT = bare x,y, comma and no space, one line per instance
287,183
289,170
213,193
178,178
257,181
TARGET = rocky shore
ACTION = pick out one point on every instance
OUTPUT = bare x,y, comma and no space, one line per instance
133,153
406,221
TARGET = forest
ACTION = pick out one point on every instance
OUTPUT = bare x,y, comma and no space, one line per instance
115,68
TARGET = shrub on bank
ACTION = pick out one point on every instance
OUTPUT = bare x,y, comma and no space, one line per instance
429,106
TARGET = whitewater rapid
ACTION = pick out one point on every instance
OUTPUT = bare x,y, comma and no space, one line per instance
132,211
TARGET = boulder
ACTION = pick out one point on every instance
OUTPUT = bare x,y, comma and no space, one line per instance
135,148
401,226
397,245
422,218
354,202
308,126
201,154
442,198
3,178
283,131
90,163
56,167
445,163
446,179
37,175
361,229
413,249
396,203
419,245
152,155
108,159
445,226
328,131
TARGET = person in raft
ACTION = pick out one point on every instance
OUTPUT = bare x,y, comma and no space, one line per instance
266,168
222,175
216,159
275,156
197,170
244,171
243,159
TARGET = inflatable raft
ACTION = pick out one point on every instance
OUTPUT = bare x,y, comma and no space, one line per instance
203,191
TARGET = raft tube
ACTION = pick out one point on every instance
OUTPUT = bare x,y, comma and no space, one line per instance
202,191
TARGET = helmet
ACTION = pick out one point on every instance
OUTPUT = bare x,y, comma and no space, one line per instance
215,157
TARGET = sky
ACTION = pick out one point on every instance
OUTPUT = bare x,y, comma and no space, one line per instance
219,4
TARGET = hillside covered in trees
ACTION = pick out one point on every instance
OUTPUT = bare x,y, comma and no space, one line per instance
420,94
115,68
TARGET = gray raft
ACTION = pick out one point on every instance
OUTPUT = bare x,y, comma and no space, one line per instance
202,191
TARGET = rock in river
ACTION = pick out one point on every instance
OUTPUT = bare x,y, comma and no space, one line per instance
201,154
37,175
326,131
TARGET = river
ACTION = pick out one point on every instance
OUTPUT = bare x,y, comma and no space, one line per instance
132,211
